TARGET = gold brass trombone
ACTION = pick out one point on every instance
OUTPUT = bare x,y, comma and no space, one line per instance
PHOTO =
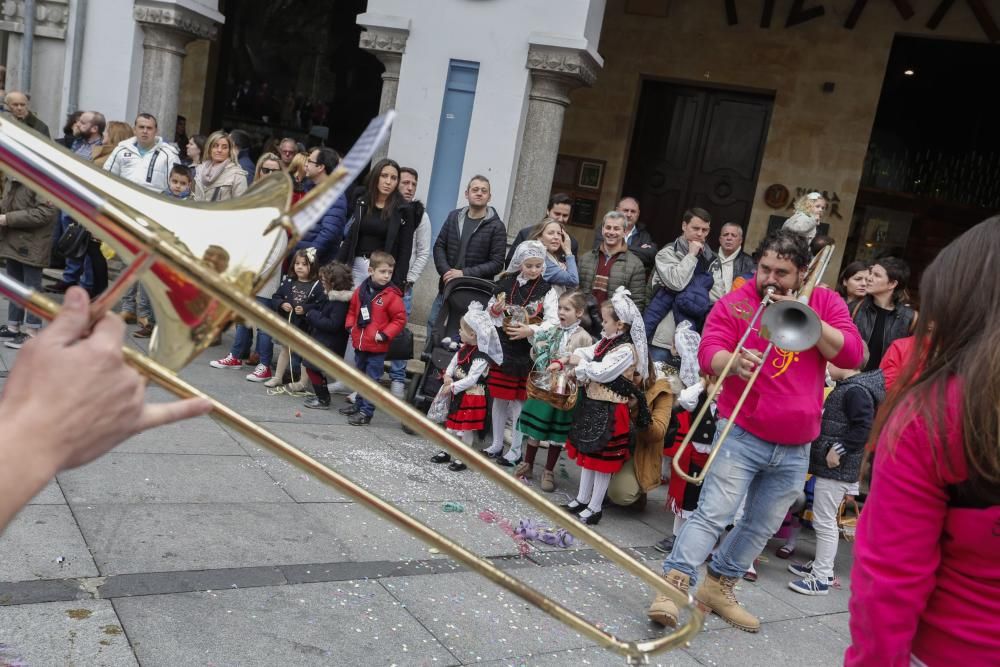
193,303
789,325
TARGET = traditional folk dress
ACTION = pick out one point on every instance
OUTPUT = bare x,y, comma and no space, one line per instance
682,496
542,421
599,436
508,381
469,368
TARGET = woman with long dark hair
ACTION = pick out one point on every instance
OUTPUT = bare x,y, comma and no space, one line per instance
852,284
884,315
380,220
926,578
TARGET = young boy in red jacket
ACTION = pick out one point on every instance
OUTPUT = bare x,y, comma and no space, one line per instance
376,316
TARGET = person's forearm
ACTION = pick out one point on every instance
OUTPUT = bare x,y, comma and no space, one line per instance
25,467
831,340
719,361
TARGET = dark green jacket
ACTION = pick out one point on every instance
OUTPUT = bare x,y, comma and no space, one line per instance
628,270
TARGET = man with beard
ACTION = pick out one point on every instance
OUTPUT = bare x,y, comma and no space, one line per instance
766,455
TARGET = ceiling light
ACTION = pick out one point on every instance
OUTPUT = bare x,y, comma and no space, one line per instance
908,72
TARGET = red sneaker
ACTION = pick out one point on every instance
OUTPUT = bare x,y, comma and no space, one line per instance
260,374
229,362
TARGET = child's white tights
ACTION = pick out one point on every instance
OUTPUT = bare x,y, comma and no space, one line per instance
593,488
502,411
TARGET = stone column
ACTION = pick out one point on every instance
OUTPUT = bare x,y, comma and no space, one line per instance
555,71
388,45
166,31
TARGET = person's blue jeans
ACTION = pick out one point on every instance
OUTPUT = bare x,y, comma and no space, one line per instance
770,476
397,369
370,364
264,347
435,309
663,354
77,270
136,296
32,277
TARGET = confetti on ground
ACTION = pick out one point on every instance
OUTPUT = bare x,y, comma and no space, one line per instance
452,506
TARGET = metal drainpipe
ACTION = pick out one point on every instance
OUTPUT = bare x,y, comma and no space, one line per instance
27,45
80,22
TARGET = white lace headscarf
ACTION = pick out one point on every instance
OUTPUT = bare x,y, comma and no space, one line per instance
487,339
525,250
626,311
686,342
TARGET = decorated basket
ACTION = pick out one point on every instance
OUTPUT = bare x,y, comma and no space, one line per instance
557,389
848,524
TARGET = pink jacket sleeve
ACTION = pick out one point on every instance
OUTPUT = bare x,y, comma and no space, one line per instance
897,551
720,333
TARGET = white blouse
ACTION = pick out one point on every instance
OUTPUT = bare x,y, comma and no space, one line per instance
612,366
477,369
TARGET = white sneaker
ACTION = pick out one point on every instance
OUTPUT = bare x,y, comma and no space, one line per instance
352,397
398,388
339,387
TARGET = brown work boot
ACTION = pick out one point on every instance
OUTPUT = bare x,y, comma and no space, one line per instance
717,594
664,610
548,481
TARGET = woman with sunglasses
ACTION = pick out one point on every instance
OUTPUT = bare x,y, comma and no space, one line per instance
268,164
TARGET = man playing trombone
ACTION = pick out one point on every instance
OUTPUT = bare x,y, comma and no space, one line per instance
766,455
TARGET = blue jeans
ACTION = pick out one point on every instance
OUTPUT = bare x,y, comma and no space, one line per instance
32,277
770,476
78,270
136,295
435,309
397,369
663,354
241,343
370,364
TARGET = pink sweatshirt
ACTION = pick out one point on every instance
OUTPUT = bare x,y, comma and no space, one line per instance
926,577
787,400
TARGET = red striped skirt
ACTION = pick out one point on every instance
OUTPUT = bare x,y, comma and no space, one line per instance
615,453
470,414
507,387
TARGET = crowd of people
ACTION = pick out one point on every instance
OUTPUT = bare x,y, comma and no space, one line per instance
607,354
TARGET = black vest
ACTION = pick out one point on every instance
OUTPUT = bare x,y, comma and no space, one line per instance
835,425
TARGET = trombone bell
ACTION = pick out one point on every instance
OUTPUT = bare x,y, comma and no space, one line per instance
251,232
791,326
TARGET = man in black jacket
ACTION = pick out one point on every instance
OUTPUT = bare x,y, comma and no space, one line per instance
471,242
637,237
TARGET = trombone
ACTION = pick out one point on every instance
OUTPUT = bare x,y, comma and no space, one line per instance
193,303
789,325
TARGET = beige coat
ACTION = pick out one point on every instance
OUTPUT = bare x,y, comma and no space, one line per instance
641,472
27,234
229,184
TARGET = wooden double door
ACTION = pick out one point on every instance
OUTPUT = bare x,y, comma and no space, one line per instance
695,146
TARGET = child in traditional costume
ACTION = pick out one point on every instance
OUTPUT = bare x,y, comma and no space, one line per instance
541,421
599,439
522,303
466,376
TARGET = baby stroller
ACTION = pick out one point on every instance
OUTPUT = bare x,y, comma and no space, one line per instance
458,294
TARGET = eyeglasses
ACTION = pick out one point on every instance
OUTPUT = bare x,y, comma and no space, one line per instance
312,162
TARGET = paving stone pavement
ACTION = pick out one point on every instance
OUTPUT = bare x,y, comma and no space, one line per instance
191,545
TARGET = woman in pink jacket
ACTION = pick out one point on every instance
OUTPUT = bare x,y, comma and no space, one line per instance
926,578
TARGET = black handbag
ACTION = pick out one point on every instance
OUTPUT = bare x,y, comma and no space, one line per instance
401,347
74,241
